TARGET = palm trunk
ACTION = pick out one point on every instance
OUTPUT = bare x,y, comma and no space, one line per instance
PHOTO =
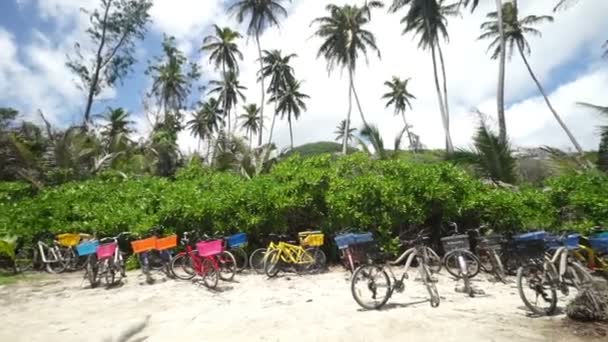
446,107
352,85
577,146
448,141
274,117
500,98
407,130
347,124
290,131
250,139
260,137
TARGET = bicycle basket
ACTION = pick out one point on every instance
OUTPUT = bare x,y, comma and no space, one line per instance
87,248
210,248
344,240
145,245
490,241
600,244
529,249
552,241
572,241
539,235
166,243
363,238
311,239
456,242
237,240
106,250
68,240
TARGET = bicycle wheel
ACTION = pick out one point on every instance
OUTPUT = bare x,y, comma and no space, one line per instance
450,261
181,267
306,262
92,268
240,256
577,275
227,265
370,287
319,259
24,260
425,275
536,289
155,260
272,263
256,260
433,260
209,273
55,265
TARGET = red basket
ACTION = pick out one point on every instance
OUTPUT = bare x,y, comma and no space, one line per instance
106,251
166,243
210,248
144,245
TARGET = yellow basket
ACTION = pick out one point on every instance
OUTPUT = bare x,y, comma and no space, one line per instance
68,240
311,239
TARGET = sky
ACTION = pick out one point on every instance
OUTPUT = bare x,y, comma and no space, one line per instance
37,35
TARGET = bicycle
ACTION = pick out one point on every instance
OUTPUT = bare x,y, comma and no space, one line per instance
155,253
593,251
487,250
256,259
110,261
235,245
285,254
565,269
312,241
458,260
352,248
376,277
199,262
88,249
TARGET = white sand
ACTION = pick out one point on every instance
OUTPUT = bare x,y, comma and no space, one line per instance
254,308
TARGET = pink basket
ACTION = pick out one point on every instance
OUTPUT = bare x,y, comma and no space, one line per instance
210,248
106,251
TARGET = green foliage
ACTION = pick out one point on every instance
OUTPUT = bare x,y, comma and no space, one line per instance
317,148
13,191
321,192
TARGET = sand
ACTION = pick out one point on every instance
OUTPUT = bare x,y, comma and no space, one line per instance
254,308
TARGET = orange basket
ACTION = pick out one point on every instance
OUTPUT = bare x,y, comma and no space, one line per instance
144,245
166,243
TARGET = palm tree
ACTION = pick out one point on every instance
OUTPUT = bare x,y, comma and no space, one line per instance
230,91
251,121
602,155
370,134
262,14
427,19
563,4
280,72
399,97
344,38
117,129
514,37
224,52
339,132
206,122
290,102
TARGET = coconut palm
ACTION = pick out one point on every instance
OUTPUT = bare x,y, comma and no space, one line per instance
602,155
117,128
428,20
399,97
339,132
280,72
230,92
290,103
515,30
206,122
251,121
344,39
370,135
261,14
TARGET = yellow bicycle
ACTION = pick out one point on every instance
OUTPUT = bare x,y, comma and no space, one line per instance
304,258
588,256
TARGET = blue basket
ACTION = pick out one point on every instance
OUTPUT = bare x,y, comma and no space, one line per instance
551,241
603,235
363,238
237,240
572,241
344,240
600,244
87,248
540,235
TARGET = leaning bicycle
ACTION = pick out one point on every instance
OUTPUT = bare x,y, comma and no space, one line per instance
373,285
458,259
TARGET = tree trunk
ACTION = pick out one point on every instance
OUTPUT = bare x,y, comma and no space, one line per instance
446,128
407,131
577,146
352,85
274,117
347,124
446,107
500,97
260,137
290,131
225,99
98,64
250,139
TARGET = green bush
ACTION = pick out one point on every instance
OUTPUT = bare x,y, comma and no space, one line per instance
320,192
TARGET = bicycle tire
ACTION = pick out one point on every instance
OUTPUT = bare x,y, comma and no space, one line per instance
209,273
306,262
241,258
366,272
92,269
579,276
450,262
24,260
227,265
256,260
319,257
541,278
434,263
272,262
155,260
182,262
427,279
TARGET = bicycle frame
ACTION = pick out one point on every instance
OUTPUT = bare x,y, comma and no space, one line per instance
591,259
290,253
411,254
197,260
53,251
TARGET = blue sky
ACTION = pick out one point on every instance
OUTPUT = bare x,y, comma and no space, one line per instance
35,36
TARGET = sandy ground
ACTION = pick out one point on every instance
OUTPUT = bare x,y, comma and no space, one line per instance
254,308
